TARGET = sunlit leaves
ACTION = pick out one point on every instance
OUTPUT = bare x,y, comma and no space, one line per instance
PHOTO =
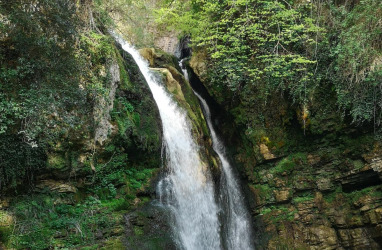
248,39
358,60
42,68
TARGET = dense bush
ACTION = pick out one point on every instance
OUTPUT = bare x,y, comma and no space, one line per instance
53,68
40,70
358,60
18,162
260,49
43,223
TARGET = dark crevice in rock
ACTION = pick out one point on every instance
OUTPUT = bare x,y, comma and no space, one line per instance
218,115
360,180
183,49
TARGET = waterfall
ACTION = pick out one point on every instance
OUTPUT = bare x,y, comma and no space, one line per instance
187,189
237,227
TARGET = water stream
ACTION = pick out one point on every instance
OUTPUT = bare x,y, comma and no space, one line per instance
187,189
237,228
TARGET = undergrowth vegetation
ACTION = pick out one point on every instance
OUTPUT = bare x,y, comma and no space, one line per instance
50,219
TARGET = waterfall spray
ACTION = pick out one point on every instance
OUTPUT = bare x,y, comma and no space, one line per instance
237,227
187,190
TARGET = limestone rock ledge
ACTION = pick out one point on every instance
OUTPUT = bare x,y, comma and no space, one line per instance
320,206
167,66
104,106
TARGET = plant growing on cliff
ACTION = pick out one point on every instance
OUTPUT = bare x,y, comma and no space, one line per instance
252,42
358,60
260,49
44,221
39,74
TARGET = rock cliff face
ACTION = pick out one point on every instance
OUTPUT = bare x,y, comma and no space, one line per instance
314,189
320,200
104,106
89,177
168,44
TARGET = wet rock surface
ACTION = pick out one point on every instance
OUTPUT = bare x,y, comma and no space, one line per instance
148,228
314,189
320,205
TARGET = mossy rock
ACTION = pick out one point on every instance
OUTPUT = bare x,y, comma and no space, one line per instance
6,226
148,228
115,243
157,58
137,117
57,162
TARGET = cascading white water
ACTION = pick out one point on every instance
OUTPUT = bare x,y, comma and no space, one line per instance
187,189
237,229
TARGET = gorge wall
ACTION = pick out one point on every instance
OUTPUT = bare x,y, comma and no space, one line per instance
81,137
80,133
312,187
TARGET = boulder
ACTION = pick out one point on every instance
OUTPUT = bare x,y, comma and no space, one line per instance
172,85
149,55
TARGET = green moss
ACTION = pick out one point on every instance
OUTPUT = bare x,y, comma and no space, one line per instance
358,164
138,230
278,213
301,199
114,244
136,116
197,113
49,221
285,165
136,119
125,82
288,164
56,161
265,192
116,204
122,114
333,195
99,46
93,247
266,210
356,195
300,157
